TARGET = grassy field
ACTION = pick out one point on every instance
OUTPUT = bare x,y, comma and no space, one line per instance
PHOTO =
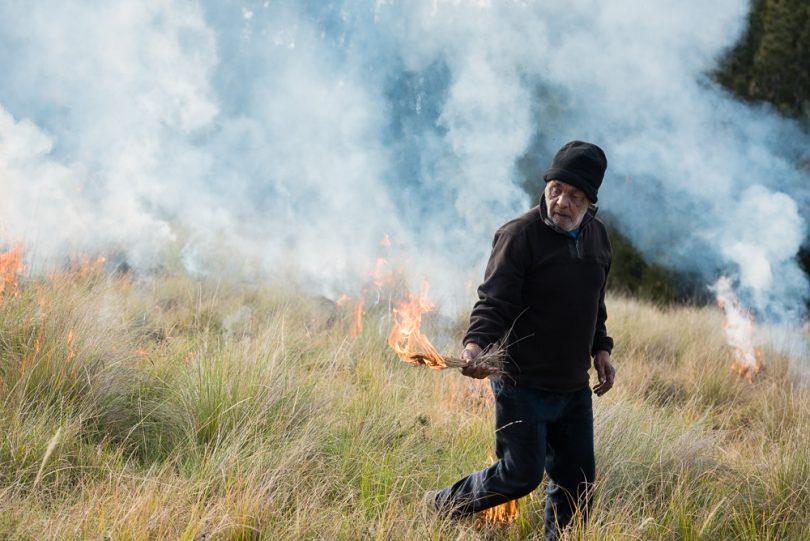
169,408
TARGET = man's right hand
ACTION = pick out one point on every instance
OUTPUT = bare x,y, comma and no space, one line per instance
473,369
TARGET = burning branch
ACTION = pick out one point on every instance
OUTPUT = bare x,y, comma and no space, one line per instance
413,347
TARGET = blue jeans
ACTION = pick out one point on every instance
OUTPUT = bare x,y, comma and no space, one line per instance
535,431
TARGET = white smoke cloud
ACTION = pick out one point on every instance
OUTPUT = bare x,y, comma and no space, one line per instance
109,97
262,136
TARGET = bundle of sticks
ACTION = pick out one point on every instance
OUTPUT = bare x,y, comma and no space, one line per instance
413,347
492,357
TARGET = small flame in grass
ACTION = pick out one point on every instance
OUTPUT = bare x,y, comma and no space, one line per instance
85,266
357,313
11,267
358,309
739,327
405,338
382,276
357,320
500,515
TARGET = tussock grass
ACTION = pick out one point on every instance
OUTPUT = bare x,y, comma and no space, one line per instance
170,408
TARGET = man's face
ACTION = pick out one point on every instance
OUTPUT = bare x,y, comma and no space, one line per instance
566,204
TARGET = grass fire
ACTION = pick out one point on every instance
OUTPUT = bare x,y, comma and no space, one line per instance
740,332
404,270
167,406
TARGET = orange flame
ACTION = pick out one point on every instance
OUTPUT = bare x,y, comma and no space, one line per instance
739,327
357,320
11,266
500,515
405,339
357,312
382,275
84,266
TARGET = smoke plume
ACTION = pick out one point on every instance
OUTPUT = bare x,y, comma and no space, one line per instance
256,138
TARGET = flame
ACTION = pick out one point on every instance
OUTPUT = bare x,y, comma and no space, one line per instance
500,515
357,320
405,339
11,267
739,327
84,266
357,312
382,275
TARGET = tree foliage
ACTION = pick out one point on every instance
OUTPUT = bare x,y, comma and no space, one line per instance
771,62
630,273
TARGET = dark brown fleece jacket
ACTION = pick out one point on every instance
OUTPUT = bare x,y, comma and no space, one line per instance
547,291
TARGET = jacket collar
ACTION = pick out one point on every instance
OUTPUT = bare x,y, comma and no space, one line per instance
590,214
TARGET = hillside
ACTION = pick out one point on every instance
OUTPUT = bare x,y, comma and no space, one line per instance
169,408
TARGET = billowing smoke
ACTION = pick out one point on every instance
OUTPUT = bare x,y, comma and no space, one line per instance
263,137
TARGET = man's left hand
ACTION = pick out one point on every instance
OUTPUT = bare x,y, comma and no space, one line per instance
605,371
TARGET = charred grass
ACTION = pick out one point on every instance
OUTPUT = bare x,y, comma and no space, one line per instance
171,408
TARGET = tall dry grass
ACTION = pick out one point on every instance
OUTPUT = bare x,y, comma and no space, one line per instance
170,408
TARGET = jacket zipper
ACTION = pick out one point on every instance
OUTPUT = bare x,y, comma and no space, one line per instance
575,247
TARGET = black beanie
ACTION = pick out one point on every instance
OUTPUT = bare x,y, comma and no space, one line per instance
581,165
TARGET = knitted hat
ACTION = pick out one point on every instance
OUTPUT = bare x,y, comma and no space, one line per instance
580,164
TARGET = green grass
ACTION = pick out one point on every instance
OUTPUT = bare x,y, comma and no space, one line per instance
168,408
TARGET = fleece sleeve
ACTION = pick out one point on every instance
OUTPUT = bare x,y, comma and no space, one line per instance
601,340
500,296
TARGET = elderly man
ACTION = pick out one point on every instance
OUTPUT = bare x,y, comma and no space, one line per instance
544,290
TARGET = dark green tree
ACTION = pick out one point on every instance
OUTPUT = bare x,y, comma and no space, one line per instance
630,273
771,62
